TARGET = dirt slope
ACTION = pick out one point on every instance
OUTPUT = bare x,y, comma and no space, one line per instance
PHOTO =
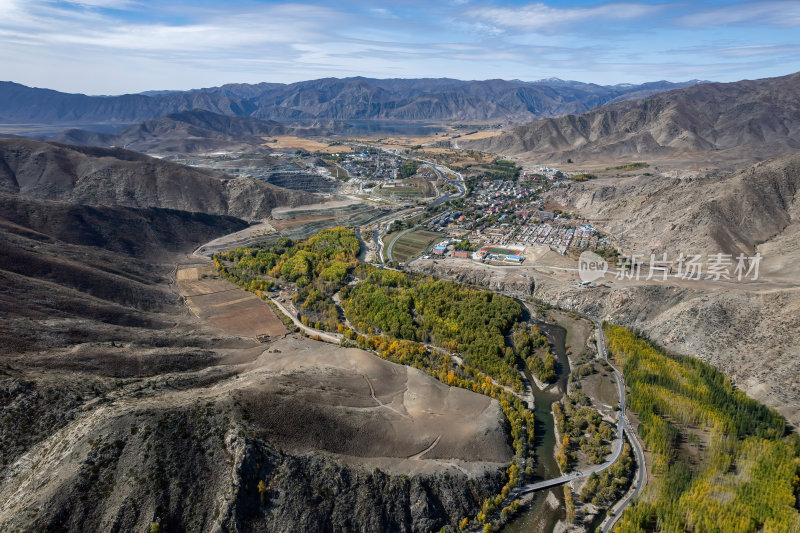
693,212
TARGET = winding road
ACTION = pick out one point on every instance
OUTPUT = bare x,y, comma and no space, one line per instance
638,482
623,426
389,248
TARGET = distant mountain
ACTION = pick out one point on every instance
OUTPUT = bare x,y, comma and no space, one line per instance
117,177
19,103
761,115
329,98
187,131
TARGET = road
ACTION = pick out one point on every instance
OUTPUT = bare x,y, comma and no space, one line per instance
638,482
389,248
440,170
623,427
329,337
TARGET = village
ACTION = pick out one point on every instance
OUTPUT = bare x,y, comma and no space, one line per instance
499,219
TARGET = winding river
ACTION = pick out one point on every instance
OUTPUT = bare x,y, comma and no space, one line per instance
539,516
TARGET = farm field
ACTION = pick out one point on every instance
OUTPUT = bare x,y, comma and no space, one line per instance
413,244
412,188
286,142
225,305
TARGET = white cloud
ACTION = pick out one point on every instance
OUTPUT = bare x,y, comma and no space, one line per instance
786,14
750,50
107,46
282,24
539,16
108,4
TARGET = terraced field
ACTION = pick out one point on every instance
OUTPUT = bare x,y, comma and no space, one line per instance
225,305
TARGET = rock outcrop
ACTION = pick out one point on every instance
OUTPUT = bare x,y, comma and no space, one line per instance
510,282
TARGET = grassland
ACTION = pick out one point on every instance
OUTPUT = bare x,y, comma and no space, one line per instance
413,244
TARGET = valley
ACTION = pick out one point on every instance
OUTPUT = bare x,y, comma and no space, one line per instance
216,322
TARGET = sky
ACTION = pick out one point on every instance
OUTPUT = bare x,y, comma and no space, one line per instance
127,46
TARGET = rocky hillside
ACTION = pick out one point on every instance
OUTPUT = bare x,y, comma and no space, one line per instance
117,177
120,409
693,212
188,462
330,98
760,114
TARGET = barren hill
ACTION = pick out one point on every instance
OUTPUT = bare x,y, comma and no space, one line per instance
693,212
117,177
760,114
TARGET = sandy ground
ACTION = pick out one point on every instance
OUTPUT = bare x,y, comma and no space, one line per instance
286,212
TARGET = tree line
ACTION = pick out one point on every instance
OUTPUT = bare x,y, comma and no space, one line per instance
460,319
746,475
318,267
395,314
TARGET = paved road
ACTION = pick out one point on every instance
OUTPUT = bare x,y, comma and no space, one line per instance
389,248
638,483
622,427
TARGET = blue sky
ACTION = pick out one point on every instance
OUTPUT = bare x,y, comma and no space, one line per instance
117,46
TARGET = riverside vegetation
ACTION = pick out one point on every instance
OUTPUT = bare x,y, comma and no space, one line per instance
396,314
744,478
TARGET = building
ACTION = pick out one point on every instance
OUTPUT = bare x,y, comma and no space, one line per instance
514,258
461,253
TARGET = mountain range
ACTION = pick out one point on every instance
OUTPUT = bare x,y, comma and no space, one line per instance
330,98
761,117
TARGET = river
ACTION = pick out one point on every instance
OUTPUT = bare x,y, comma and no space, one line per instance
539,516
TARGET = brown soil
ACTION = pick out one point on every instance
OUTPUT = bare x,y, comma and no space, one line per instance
234,311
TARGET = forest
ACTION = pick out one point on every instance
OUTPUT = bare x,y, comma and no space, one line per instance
318,267
582,429
460,319
605,488
527,341
720,461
